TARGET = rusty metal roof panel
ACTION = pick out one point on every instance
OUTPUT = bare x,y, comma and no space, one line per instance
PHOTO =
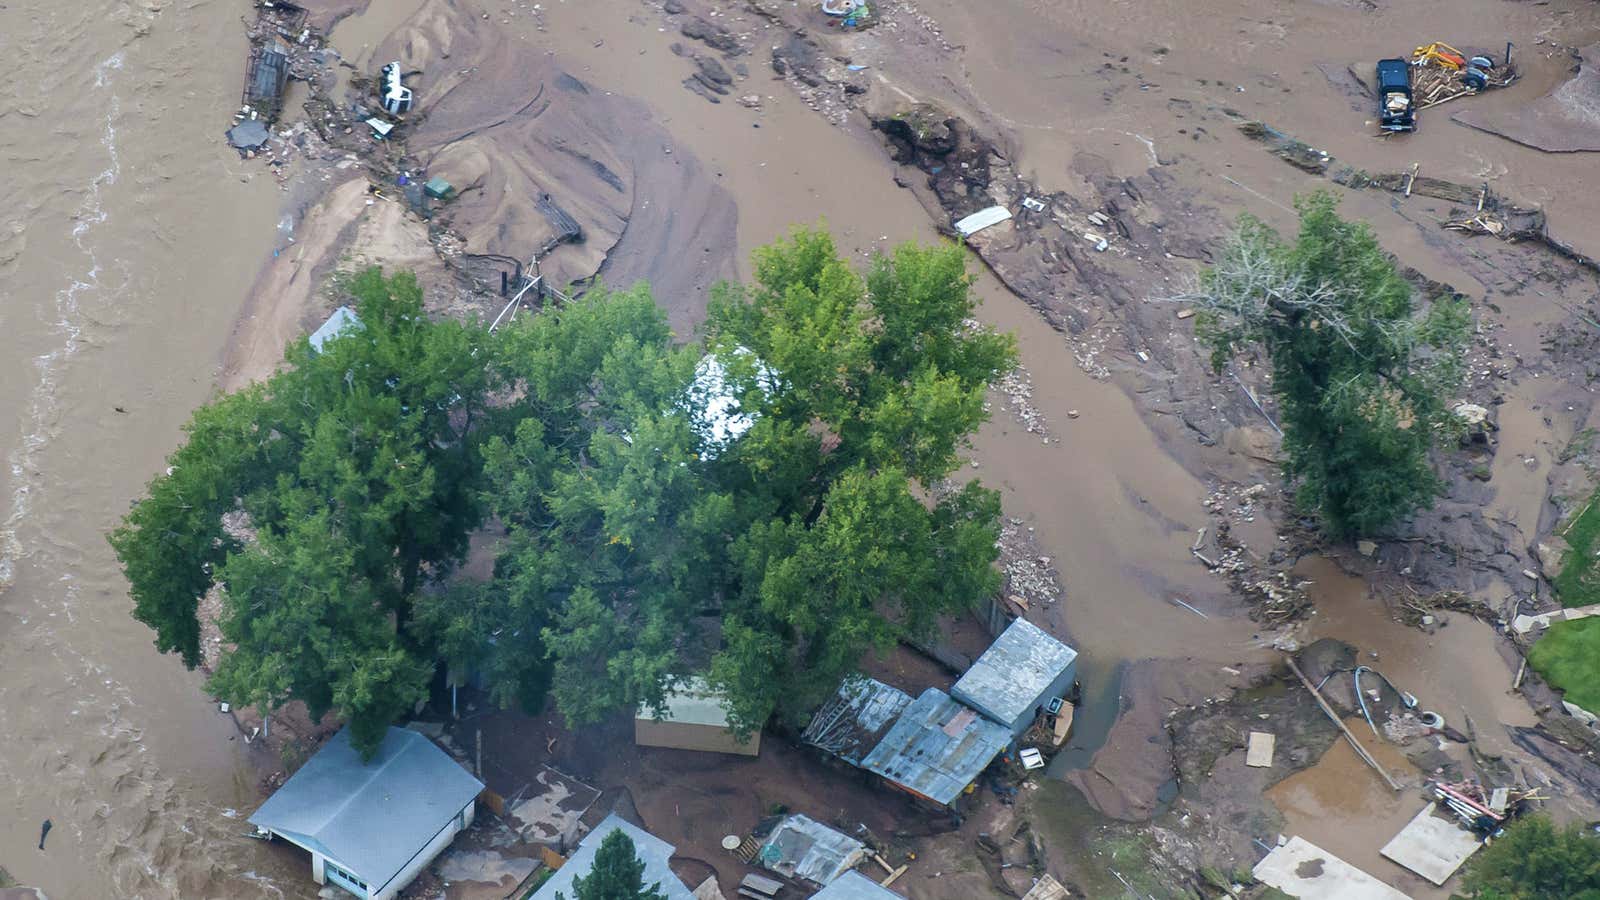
853,722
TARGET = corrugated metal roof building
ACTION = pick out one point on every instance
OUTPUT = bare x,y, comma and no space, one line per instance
855,886
371,827
1017,677
694,717
937,747
855,719
801,847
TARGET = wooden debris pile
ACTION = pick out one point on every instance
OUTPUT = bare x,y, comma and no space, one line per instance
1480,809
1434,82
1419,611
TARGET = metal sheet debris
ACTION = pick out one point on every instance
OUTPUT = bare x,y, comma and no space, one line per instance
982,219
803,848
1301,869
1432,846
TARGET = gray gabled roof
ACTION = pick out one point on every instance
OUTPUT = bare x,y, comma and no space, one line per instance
1010,676
370,818
855,886
652,850
937,747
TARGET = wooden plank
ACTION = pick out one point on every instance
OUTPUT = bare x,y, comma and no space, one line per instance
760,885
1355,744
1063,723
1259,752
895,874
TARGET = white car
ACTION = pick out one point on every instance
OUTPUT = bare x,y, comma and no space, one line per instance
396,96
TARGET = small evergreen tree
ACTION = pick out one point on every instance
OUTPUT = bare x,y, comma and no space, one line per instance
1363,378
617,874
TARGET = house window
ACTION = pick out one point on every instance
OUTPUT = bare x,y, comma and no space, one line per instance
345,879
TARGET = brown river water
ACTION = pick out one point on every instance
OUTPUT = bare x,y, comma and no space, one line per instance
133,234
127,242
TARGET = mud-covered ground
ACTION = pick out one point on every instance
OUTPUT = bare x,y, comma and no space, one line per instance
1145,517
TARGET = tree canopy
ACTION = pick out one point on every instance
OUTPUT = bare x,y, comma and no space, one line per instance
1362,376
1536,860
617,874
761,507
348,480
645,544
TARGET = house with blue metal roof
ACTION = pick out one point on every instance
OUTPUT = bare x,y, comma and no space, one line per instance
1015,680
651,850
371,827
937,747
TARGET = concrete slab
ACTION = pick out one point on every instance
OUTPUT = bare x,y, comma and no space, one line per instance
1301,869
1259,752
1432,846
1523,624
554,805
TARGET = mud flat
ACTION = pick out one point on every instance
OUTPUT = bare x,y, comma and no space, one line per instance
1566,120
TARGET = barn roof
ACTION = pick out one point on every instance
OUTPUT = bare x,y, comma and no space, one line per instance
855,886
691,701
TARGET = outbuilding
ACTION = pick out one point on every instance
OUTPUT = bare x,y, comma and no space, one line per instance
937,748
693,716
655,853
802,848
370,827
1019,677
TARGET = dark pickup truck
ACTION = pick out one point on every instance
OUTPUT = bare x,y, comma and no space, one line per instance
1396,111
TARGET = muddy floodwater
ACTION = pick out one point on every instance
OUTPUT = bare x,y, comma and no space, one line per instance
128,239
132,237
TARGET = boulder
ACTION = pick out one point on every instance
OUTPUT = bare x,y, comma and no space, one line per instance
1552,552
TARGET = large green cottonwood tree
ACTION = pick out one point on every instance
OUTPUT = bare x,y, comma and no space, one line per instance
351,479
646,544
762,508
